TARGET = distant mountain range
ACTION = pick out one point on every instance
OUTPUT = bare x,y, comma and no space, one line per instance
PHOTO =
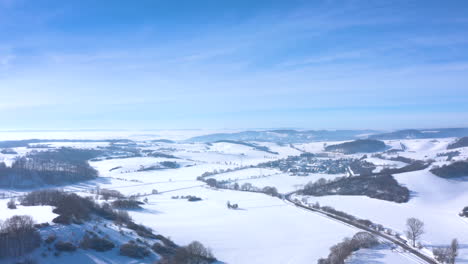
299,136
422,133
286,136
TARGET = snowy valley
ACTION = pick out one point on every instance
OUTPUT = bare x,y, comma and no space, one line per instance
126,197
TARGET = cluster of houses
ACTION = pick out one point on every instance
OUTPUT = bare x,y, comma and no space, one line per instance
306,164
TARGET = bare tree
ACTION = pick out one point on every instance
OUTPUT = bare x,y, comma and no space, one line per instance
447,254
415,229
453,251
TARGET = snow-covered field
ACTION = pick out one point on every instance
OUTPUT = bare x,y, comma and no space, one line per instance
262,177
265,229
435,201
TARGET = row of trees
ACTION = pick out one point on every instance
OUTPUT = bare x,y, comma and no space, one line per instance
248,187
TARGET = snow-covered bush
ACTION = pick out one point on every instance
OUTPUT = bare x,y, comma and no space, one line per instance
133,250
92,241
126,204
65,246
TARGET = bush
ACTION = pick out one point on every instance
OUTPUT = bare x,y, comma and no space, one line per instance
162,250
168,242
270,191
106,194
193,198
212,182
141,230
11,204
65,246
194,252
62,219
464,212
96,243
131,249
50,239
126,204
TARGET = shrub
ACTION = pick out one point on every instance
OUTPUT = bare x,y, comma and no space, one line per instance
162,250
212,182
65,246
106,194
194,252
464,212
11,204
96,243
50,239
141,230
270,191
194,199
62,219
131,249
168,242
126,204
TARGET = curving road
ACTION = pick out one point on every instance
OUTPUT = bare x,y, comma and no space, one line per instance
416,253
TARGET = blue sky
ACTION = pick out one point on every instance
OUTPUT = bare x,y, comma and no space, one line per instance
152,64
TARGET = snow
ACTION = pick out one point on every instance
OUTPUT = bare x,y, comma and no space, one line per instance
265,229
40,214
262,177
381,254
435,201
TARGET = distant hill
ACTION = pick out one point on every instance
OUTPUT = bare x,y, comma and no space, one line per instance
163,141
26,142
254,146
357,146
285,136
460,143
425,133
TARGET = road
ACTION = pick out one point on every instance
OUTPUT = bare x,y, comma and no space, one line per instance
414,252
